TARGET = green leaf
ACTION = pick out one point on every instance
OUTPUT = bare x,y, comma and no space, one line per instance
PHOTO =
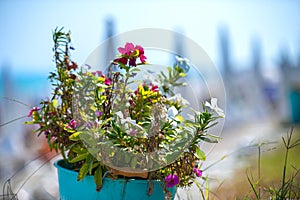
55,146
30,122
253,186
98,178
79,150
207,189
79,157
199,187
210,140
83,171
36,116
200,154
75,136
135,69
90,161
54,102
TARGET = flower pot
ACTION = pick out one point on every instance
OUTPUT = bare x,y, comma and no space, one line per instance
119,189
294,98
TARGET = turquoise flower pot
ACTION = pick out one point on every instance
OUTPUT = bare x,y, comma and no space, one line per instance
119,189
295,105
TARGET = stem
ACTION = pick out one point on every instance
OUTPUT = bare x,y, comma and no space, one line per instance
125,85
284,167
123,93
287,147
258,166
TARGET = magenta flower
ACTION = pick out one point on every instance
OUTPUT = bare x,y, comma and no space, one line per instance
171,180
34,109
132,61
131,53
121,60
99,73
143,58
127,49
141,49
153,88
197,171
107,81
72,124
141,53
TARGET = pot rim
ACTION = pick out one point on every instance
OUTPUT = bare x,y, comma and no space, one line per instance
70,171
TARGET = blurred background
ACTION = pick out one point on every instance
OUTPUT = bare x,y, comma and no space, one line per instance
255,45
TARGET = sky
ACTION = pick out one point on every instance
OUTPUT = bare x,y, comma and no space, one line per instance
26,26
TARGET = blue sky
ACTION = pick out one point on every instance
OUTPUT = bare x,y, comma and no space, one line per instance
25,42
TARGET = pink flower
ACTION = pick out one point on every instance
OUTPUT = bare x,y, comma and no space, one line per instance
72,124
171,180
34,109
99,73
153,88
127,49
197,171
141,53
131,53
141,49
107,81
143,58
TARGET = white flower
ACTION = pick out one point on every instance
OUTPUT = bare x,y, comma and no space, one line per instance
172,112
180,99
214,106
120,115
127,121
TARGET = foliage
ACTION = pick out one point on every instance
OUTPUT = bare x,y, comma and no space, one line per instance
91,112
289,188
